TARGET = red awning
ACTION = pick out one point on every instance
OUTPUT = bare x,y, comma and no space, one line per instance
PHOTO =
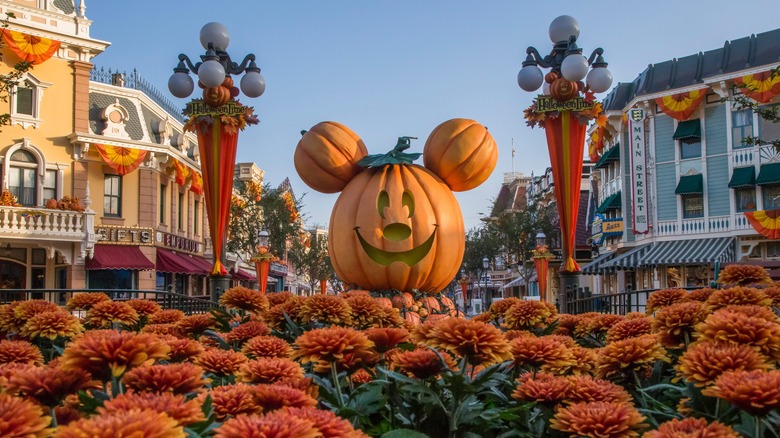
202,264
119,257
169,261
244,275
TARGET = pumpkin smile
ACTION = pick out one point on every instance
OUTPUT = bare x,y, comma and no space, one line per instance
410,257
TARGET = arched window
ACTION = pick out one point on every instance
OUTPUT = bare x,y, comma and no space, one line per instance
22,180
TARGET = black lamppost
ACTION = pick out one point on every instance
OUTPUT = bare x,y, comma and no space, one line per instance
486,298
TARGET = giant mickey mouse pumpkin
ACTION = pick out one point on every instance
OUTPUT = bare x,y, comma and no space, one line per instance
396,225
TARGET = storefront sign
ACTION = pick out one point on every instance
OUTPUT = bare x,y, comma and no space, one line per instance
636,133
597,227
123,235
173,241
612,227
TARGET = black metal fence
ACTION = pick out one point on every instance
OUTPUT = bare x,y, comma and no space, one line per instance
583,301
135,81
167,300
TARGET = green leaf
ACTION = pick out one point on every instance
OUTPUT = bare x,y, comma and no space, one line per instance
404,433
216,337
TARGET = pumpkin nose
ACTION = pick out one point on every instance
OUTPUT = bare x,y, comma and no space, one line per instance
396,231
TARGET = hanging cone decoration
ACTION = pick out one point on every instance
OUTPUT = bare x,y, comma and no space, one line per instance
262,267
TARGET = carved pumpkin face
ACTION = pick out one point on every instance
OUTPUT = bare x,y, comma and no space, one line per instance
397,227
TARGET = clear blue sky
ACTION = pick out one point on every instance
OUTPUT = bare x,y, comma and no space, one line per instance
393,68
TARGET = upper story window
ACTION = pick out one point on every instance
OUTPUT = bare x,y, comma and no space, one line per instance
22,180
163,188
26,99
688,133
180,212
771,196
768,130
690,148
50,185
112,196
745,199
693,206
741,127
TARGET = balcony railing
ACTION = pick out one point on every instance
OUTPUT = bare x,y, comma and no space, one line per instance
43,223
166,300
618,303
135,81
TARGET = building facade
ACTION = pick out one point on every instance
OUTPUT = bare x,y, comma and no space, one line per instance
677,182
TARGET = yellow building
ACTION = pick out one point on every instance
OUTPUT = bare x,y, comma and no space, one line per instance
105,179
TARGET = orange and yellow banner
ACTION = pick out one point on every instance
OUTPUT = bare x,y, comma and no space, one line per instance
766,222
123,160
197,183
680,106
182,172
30,48
761,87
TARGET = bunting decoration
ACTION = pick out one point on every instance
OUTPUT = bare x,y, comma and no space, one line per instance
681,106
30,48
766,222
182,172
197,183
598,140
123,160
761,87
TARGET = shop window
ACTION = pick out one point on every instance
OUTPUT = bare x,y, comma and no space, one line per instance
22,180
773,250
162,203
112,196
745,199
771,197
769,130
690,148
741,127
50,185
111,279
693,206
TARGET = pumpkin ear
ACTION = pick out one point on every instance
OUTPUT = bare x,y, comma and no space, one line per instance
326,156
462,153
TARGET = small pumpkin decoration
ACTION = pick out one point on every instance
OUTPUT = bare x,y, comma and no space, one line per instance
75,205
216,96
550,77
326,156
563,90
431,304
462,152
436,317
384,302
412,318
51,204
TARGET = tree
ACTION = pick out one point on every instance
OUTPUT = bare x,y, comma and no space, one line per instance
480,243
309,255
9,81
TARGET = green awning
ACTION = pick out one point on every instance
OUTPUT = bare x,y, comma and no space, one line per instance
611,203
689,185
743,177
688,129
613,154
769,174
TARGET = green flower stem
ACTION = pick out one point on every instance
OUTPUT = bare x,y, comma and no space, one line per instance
335,376
53,416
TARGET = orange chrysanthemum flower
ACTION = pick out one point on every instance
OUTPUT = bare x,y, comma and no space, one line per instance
66,415
48,386
636,355
20,352
692,428
15,315
327,423
174,405
269,370
144,307
177,378
267,346
701,295
424,332
584,361
276,396
526,314
327,309
194,325
665,297
365,311
182,349
630,328
134,423
292,308
599,420
479,343
389,318
221,362
22,418
774,294
51,325
566,324
545,352
754,311
421,363
385,339
596,324
675,324
702,363
107,313
361,376
275,298
332,345
276,426
242,298
247,331
231,400
738,328
590,389
9,370
110,353
543,388
499,308
85,300
162,329
738,296
743,275
757,392
166,316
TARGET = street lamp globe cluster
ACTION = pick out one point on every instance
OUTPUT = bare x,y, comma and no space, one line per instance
565,60
215,66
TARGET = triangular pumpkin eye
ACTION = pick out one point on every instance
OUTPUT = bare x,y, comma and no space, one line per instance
382,202
407,200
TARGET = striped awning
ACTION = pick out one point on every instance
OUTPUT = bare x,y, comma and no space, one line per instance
595,266
690,252
628,260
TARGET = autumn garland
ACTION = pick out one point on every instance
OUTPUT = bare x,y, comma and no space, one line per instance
230,122
533,117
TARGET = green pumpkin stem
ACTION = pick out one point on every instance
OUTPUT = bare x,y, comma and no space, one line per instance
395,156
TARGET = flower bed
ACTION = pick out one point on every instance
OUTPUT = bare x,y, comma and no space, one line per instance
704,363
